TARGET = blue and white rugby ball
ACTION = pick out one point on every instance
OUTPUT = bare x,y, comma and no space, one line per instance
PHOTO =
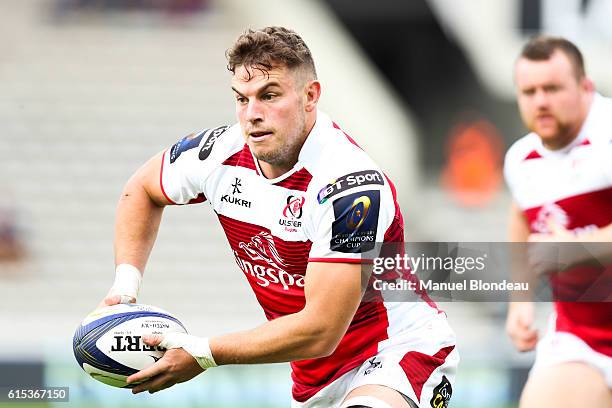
108,344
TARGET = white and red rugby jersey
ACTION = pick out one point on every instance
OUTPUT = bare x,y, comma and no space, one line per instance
332,206
574,187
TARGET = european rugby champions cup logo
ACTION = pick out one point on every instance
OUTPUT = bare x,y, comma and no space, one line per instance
356,222
292,212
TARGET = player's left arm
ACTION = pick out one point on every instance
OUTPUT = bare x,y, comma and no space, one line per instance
577,255
333,292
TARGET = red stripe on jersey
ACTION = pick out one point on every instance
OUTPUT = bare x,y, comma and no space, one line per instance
585,142
532,155
350,139
418,367
273,267
243,158
594,207
590,321
161,183
297,181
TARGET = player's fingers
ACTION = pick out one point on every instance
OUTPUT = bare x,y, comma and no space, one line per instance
154,384
126,299
149,372
112,300
554,227
153,340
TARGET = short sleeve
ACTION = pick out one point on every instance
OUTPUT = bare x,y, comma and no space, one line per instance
186,166
349,225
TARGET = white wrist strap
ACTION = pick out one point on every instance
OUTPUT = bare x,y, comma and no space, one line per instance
127,282
198,347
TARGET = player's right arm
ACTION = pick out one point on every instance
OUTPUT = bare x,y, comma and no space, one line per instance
138,216
519,323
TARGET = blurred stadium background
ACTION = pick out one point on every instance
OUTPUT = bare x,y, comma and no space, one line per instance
89,89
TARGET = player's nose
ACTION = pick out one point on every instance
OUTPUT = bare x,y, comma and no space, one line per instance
254,111
541,99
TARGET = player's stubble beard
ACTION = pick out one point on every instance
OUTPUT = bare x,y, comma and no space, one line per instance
286,154
564,134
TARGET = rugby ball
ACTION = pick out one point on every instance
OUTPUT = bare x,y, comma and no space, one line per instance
108,343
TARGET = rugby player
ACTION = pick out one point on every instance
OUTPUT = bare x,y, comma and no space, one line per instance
560,176
299,202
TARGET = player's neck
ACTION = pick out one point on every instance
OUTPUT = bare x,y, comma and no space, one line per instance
271,171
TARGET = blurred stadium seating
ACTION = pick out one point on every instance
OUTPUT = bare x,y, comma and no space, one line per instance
87,97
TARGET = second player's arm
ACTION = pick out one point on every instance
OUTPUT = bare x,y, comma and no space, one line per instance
520,311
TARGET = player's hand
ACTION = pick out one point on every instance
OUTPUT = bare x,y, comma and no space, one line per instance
110,300
176,366
519,326
556,233
546,257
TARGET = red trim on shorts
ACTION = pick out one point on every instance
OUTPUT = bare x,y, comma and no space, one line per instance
161,184
418,367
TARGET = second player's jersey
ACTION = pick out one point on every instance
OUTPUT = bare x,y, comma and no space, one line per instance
573,186
335,204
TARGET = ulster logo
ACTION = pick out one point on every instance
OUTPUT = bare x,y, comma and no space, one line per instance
292,213
294,207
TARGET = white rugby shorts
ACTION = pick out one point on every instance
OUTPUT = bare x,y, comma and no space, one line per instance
562,347
421,364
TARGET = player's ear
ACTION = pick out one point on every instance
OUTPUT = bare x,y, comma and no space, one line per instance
587,84
312,92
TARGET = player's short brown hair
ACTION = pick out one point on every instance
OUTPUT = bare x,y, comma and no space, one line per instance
269,47
542,47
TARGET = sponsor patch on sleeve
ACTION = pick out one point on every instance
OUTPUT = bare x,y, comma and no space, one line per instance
210,142
442,394
187,143
356,179
356,221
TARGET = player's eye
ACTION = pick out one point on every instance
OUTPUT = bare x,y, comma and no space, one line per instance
528,92
551,88
268,96
241,99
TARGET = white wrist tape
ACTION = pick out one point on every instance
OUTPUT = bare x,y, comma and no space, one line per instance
198,347
127,282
